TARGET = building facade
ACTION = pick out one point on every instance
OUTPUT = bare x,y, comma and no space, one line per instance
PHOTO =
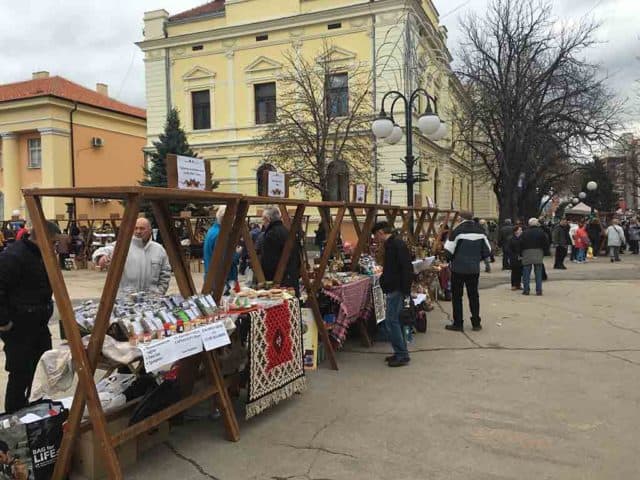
623,167
219,64
55,133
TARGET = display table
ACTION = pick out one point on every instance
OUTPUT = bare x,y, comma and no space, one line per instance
355,305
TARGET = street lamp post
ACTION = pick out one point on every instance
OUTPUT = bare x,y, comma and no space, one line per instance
592,187
429,123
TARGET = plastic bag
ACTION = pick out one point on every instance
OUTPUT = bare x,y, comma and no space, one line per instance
590,252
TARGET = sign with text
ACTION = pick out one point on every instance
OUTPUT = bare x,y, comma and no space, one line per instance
188,173
360,193
158,353
214,336
187,344
276,184
385,196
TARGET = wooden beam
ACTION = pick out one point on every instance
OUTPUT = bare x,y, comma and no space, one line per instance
254,260
80,358
364,237
212,281
296,226
326,254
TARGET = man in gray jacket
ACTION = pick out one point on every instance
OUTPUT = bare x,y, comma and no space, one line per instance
147,267
534,243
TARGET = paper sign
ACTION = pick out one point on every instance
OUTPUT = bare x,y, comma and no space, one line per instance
191,173
361,193
386,197
310,340
187,344
276,184
158,353
214,336
430,202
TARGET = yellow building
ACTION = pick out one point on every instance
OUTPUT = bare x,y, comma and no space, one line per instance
44,120
219,64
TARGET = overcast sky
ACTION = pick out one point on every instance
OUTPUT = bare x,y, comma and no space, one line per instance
91,41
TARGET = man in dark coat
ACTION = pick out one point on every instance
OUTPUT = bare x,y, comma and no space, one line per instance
25,310
396,279
466,248
275,237
561,239
504,238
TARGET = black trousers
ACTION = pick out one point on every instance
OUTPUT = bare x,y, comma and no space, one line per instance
458,282
561,254
22,352
516,275
506,258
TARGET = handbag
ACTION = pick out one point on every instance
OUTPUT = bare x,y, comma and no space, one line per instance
408,313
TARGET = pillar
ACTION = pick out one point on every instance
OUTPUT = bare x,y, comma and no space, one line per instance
11,174
56,167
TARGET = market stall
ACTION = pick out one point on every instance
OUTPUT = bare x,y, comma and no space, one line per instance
86,360
294,225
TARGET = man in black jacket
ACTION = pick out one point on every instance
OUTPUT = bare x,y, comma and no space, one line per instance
274,239
466,248
25,310
561,239
396,279
504,241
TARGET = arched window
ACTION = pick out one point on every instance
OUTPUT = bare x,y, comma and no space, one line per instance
260,179
338,181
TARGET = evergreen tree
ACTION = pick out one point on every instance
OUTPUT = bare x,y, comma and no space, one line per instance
173,140
604,198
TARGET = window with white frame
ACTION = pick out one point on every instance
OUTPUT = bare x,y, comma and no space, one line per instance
337,95
34,146
265,102
201,109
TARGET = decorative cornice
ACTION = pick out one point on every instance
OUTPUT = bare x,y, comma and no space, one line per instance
53,131
285,23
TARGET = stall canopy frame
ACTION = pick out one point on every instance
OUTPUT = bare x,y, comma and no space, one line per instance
86,360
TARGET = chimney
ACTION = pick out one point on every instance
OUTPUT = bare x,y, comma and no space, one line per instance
38,75
102,89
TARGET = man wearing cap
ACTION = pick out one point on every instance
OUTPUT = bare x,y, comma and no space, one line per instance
25,310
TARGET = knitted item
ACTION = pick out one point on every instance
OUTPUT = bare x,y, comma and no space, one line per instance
276,369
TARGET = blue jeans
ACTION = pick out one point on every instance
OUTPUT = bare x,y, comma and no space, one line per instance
395,301
582,255
526,277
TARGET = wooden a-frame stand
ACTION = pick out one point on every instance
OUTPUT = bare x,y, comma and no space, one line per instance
86,361
241,228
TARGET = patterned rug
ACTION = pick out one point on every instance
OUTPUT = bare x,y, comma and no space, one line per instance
276,369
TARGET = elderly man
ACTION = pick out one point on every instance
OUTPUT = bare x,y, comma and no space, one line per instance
275,236
533,244
25,310
147,267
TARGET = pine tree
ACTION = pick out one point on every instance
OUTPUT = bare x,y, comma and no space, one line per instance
173,140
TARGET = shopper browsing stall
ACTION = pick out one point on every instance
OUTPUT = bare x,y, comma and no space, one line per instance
147,267
397,275
275,237
25,310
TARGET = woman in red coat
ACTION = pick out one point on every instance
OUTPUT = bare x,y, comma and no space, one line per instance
582,242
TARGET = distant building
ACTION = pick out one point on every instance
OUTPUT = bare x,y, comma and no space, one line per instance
623,167
56,133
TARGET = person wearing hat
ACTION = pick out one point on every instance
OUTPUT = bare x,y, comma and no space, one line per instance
25,310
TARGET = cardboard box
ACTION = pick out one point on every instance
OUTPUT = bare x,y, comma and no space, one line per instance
87,461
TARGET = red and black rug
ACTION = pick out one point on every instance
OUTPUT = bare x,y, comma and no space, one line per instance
276,369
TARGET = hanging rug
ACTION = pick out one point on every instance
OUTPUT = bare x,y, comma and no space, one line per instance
276,369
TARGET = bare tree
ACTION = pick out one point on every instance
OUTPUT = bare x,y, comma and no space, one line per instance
319,119
534,102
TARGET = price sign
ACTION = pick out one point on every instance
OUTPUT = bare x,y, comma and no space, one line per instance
158,353
214,336
276,184
187,344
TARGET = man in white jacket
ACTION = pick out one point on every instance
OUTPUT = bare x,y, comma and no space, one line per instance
615,240
147,267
